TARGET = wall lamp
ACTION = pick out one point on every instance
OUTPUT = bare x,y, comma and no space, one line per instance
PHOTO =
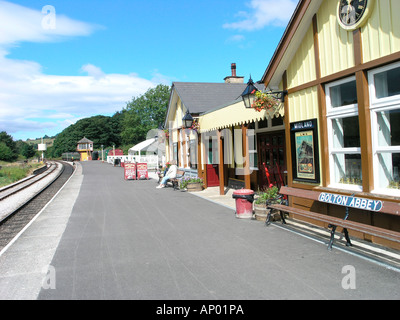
187,120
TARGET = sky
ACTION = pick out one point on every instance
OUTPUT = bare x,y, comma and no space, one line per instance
65,60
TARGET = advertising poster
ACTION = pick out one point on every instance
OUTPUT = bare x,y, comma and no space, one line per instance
142,172
130,171
305,155
304,149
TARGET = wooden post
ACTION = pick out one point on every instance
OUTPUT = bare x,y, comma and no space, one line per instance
221,163
364,116
246,156
200,170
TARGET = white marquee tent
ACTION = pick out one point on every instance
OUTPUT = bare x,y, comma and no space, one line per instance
147,147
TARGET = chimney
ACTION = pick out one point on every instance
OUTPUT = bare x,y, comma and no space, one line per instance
234,78
233,68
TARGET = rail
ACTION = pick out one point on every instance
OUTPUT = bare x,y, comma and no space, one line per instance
16,195
22,184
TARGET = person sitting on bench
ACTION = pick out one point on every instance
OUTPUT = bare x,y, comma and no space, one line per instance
171,174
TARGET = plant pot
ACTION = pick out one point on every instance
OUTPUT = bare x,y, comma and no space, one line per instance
194,187
260,212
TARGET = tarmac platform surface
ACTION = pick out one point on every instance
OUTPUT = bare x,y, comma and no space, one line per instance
103,237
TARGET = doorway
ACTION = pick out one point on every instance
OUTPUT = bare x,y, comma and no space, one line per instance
212,163
271,159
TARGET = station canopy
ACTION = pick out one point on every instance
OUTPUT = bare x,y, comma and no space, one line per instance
148,146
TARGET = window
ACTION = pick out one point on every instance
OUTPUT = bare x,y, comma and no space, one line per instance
344,134
193,153
175,153
384,84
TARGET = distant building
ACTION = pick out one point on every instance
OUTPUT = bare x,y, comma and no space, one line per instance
85,149
116,152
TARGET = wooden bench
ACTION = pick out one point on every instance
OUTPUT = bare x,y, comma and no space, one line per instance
334,222
175,181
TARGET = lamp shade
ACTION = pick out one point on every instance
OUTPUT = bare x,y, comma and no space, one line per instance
187,120
249,94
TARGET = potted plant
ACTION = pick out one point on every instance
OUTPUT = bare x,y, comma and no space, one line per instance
192,184
269,195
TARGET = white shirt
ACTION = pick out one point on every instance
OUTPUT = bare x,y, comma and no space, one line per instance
172,172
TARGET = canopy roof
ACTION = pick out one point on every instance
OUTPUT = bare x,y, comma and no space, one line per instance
148,145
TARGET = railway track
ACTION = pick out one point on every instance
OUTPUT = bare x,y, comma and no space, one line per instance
13,222
22,184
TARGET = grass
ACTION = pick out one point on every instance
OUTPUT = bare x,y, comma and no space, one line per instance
12,172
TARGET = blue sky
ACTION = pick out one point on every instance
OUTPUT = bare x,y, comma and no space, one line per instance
77,59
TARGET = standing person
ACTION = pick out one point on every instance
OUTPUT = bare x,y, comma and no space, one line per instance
171,174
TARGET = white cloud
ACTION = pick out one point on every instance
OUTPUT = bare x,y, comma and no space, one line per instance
93,71
263,13
31,99
235,38
18,24
33,103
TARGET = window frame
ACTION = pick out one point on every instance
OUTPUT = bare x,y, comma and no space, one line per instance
381,105
332,113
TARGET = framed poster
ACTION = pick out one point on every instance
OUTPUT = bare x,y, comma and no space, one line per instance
304,148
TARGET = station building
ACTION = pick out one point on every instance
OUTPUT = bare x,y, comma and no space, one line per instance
338,128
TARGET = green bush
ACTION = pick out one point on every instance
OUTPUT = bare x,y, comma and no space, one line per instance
266,194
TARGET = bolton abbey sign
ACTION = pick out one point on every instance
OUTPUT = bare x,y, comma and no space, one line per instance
352,202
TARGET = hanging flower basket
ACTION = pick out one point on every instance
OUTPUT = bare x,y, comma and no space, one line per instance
195,125
265,101
166,132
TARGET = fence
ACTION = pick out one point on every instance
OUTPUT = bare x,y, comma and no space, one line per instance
152,161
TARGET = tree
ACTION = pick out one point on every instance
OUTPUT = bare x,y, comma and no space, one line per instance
144,113
27,150
102,130
8,148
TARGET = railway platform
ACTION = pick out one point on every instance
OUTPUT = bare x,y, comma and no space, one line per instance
103,237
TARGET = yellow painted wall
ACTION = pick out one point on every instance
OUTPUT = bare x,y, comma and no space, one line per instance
380,37
84,156
335,43
303,105
381,34
302,67
176,122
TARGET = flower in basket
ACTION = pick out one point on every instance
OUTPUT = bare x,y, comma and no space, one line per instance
265,101
166,132
195,125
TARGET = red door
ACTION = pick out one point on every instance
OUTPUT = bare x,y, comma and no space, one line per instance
212,166
271,155
212,175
